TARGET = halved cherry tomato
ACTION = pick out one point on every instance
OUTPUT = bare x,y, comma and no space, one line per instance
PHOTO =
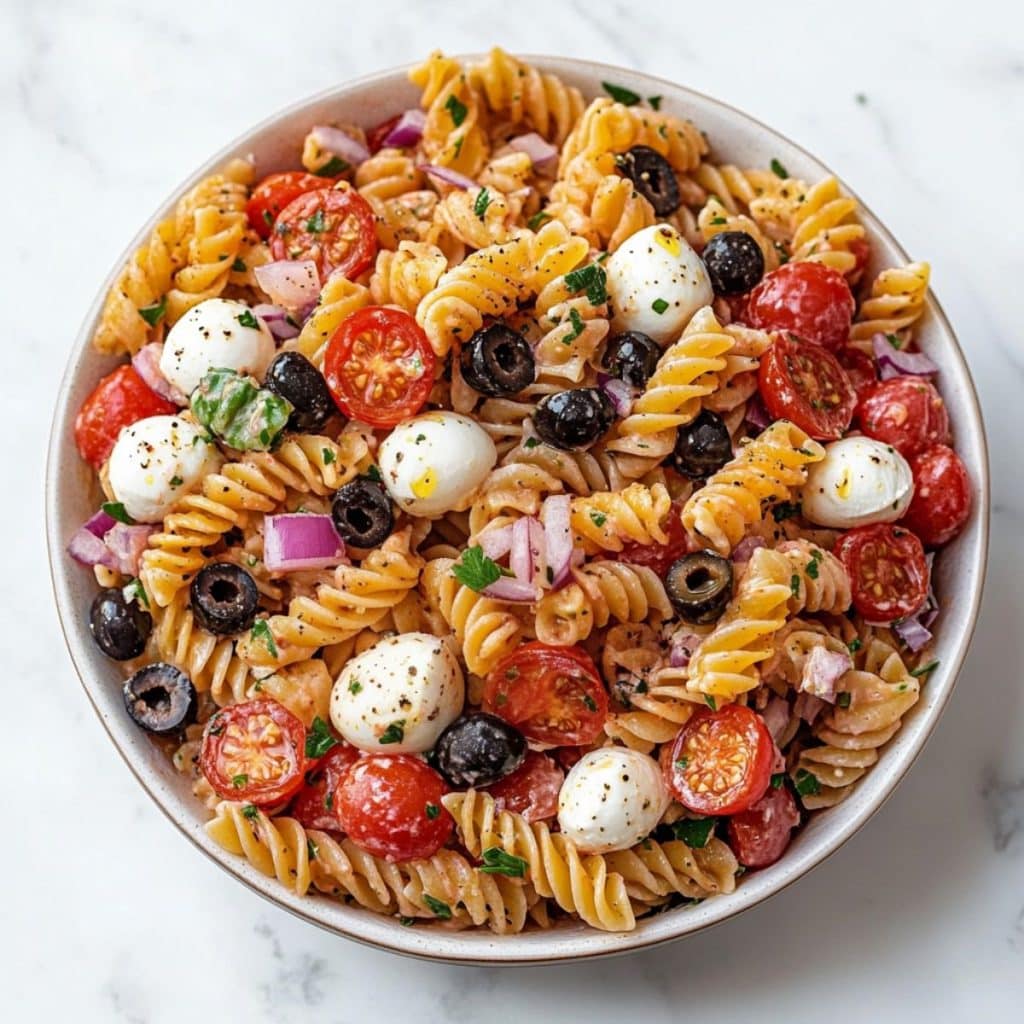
313,805
759,836
255,752
333,227
810,300
805,384
860,368
390,806
375,136
379,366
532,789
660,557
906,412
888,571
552,694
942,496
119,400
861,249
274,193
721,761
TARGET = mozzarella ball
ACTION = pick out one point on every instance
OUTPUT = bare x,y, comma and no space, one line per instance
156,461
860,481
212,336
656,283
398,696
432,464
611,799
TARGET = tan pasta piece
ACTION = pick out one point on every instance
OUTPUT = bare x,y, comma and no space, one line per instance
387,174
607,520
819,581
339,299
404,277
653,870
826,227
895,304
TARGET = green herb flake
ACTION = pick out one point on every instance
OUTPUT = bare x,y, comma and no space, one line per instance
319,739
458,110
843,699
621,94
332,168
719,220
483,200
592,280
695,832
394,733
498,862
135,591
438,908
116,510
577,326
925,669
238,781
778,170
261,631
311,849
598,518
176,481
239,266
458,146
373,473
433,811
895,340
778,779
328,456
855,645
475,570
406,922
531,442
655,102
659,306
682,763
317,223
588,702
710,701
250,811
812,565
794,584
355,687
247,319
786,510
806,783
538,219
268,218
153,314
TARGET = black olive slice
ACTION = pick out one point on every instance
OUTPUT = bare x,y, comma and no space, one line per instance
160,698
120,627
478,750
653,177
362,513
702,447
224,599
699,585
497,361
572,420
734,262
632,357
291,375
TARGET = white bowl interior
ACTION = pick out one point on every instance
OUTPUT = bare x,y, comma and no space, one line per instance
73,495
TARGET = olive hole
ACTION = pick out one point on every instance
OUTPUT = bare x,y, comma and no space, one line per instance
505,357
699,578
157,699
359,519
223,591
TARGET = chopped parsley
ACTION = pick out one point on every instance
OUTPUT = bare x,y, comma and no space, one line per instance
778,779
786,510
843,699
135,591
794,584
116,510
394,733
539,218
355,687
261,631
319,739
458,146
250,811
328,456
531,442
406,922
710,701
176,481
588,702
332,168
695,832
457,109
577,326
153,314
812,565
855,645
239,266
895,340
316,224
475,570
238,781
246,319
719,220
374,474
598,518
438,907
655,102
778,170
924,669
806,783
483,200
659,306
621,94
590,279
682,763
498,862
433,811
311,849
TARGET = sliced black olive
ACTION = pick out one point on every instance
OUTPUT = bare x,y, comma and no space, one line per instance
478,750
120,627
573,419
702,447
699,585
224,599
632,357
160,698
497,361
362,513
291,375
653,177
734,262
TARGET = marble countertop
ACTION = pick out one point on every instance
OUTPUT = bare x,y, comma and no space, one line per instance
107,912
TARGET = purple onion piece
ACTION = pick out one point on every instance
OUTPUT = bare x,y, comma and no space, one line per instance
448,176
340,143
408,129
912,633
541,153
894,362
619,393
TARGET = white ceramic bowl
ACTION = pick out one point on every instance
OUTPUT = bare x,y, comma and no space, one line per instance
72,496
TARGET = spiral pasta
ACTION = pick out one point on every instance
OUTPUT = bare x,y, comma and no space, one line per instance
339,299
608,519
652,871
825,228
819,581
478,218
404,276
896,302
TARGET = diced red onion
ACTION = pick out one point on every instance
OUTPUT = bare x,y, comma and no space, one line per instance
495,542
281,324
541,153
509,589
913,632
619,393
295,541
98,523
807,707
88,549
340,143
408,129
448,176
126,543
894,362
822,670
293,284
682,649
520,559
778,760
557,537
147,365
756,414
745,548
538,549
776,717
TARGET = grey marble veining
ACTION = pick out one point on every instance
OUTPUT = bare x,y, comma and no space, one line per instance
107,913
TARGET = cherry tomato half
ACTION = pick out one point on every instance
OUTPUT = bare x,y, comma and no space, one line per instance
552,694
274,193
375,136
390,806
942,496
906,412
810,300
805,384
860,368
254,752
759,836
313,805
888,571
861,249
119,400
333,227
379,366
660,557
721,761
532,789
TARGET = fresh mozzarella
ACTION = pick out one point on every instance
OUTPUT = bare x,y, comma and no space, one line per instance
656,283
398,696
157,460
432,464
611,799
215,335
860,481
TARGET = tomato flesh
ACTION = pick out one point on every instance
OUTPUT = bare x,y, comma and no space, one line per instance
888,571
805,384
906,412
532,789
119,400
274,193
810,300
313,806
759,836
390,806
720,763
860,368
333,227
375,136
660,557
942,496
254,752
379,366
553,695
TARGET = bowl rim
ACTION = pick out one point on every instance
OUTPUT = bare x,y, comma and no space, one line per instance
384,933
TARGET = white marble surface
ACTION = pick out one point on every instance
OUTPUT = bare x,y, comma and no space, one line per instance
106,911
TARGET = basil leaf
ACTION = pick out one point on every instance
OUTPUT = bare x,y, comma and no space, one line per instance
116,510
498,862
695,832
319,739
438,907
152,314
621,94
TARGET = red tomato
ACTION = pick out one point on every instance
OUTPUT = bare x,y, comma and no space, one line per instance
313,805
805,384
379,366
390,806
888,571
119,400
274,193
333,227
906,412
759,836
721,761
660,557
811,300
375,136
860,368
532,789
861,249
254,752
942,496
553,695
